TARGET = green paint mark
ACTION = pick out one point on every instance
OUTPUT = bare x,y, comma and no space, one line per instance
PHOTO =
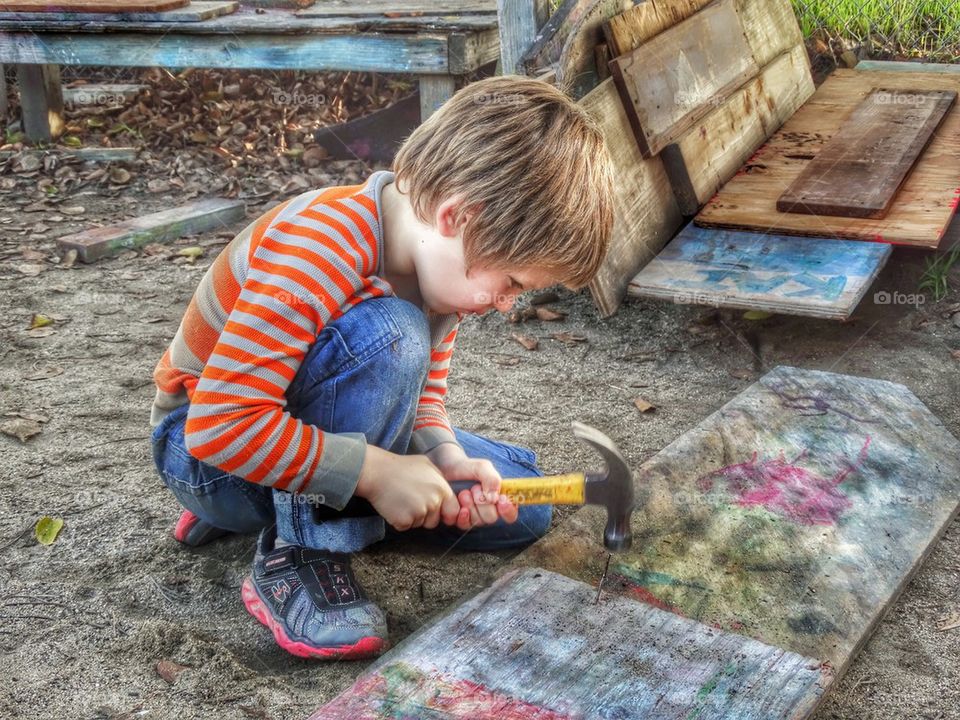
727,671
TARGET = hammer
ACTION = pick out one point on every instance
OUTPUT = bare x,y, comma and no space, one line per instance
612,488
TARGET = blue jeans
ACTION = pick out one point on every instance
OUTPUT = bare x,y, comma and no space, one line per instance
363,374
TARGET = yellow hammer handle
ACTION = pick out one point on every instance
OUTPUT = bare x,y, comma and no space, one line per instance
551,490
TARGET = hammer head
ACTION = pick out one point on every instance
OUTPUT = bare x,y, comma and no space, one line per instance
612,489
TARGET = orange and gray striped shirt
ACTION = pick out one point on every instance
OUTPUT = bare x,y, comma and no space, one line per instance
250,324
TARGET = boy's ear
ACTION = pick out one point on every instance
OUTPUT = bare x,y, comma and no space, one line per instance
451,216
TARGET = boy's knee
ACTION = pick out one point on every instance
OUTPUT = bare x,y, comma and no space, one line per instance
408,354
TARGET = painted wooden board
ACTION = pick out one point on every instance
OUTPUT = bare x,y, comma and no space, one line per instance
195,217
399,8
197,10
904,66
919,214
793,515
714,149
755,271
91,6
858,173
536,647
645,210
673,80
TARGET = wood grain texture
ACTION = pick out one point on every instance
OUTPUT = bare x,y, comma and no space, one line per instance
770,27
399,8
41,101
717,146
755,271
194,12
194,217
894,66
676,78
858,173
91,6
534,646
630,29
919,214
645,210
794,515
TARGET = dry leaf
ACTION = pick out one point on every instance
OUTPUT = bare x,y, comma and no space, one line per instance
313,156
643,406
33,255
508,361
158,185
955,354
29,415
30,269
72,209
569,338
45,373
41,332
21,428
29,163
528,341
119,176
949,623
169,670
742,374
39,320
70,258
549,315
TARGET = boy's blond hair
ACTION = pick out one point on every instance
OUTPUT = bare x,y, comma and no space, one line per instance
532,167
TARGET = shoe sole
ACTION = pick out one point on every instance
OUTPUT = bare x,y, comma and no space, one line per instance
186,524
364,648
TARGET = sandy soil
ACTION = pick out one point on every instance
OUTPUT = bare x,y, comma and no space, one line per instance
86,620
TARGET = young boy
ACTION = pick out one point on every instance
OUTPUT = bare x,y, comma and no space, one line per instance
311,363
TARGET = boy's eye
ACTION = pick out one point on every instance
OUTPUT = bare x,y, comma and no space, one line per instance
515,284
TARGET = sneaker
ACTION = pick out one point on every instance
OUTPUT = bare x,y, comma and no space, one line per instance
191,530
312,602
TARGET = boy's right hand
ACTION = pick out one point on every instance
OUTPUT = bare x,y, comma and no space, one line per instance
408,491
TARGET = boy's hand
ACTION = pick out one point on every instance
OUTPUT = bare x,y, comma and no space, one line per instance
407,490
482,504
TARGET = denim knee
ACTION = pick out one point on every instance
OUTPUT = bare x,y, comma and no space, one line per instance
408,358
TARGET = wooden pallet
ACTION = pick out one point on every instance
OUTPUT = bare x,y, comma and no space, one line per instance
919,215
91,6
193,12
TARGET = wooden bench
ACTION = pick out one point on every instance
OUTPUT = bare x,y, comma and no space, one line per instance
389,36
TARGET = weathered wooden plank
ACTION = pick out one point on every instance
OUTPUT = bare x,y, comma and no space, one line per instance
795,514
893,66
195,217
41,101
280,4
86,154
858,173
645,210
673,80
398,8
922,209
197,10
372,52
471,51
435,90
535,646
102,93
630,29
755,271
716,147
518,21
91,6
770,26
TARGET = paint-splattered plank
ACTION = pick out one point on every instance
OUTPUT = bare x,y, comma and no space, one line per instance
754,271
195,217
673,80
922,208
536,647
194,12
645,210
793,515
91,6
858,173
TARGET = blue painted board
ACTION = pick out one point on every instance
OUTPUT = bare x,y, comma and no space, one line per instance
535,646
817,277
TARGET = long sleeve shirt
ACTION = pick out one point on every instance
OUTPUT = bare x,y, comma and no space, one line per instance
250,324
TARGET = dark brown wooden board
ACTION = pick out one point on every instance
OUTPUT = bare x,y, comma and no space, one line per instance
858,173
91,6
677,77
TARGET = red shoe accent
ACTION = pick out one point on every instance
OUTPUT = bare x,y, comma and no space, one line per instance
367,647
186,521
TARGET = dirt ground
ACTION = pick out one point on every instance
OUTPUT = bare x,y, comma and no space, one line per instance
87,619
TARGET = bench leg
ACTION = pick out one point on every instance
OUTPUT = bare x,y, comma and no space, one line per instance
435,90
41,101
4,108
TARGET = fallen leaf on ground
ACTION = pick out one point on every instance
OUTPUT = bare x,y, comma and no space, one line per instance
33,255
29,163
548,314
41,332
756,315
508,361
29,415
544,298
21,428
119,176
191,253
949,623
643,406
569,338
47,529
40,320
45,373
70,258
528,341
742,374
30,269
955,354
72,209
169,670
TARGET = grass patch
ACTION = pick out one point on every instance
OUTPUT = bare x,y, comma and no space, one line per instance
936,278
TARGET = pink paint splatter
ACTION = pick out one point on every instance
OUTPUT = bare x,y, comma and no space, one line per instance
786,488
